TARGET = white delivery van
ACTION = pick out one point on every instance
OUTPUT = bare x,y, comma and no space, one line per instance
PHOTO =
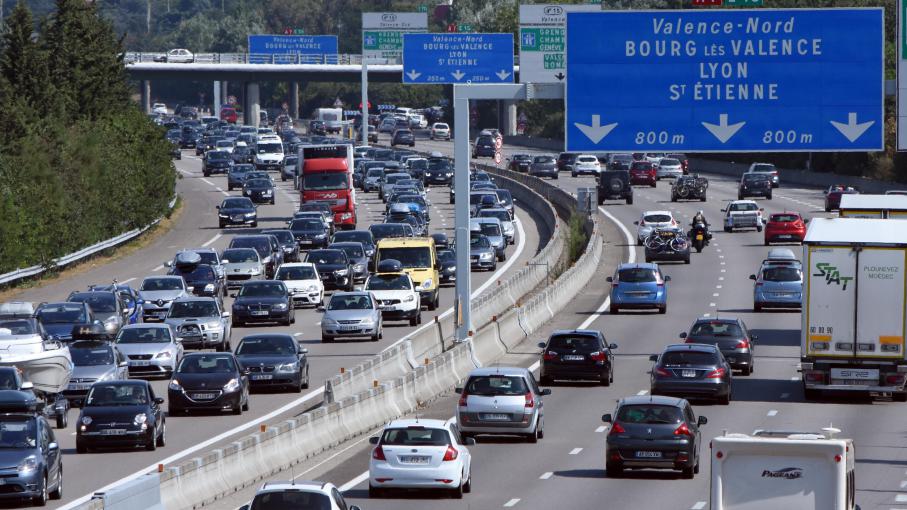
332,118
783,470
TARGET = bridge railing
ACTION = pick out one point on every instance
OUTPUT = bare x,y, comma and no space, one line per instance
252,58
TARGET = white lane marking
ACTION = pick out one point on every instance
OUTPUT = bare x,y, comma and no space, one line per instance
546,475
772,412
643,392
512,502
901,498
575,451
720,256
720,278
211,241
601,429
904,484
715,294
717,286
706,315
158,268
698,506
127,281
207,181
298,334
218,188
354,482
713,305
335,455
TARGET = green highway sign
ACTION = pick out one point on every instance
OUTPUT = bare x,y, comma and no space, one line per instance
743,3
423,8
382,40
465,27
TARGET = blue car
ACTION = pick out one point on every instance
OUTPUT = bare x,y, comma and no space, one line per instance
779,283
639,287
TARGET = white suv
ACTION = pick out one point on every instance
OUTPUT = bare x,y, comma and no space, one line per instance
301,494
268,152
396,294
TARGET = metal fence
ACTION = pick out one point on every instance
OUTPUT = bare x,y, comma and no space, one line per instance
133,57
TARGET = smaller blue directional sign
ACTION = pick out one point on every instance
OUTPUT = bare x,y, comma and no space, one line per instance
457,58
285,49
766,80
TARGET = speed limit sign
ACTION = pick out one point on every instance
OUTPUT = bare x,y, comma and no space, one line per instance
498,158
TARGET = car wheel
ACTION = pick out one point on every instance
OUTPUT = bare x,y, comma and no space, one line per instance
376,337
175,411
630,200
663,309
686,260
533,437
702,198
305,383
229,188
414,321
58,492
162,439
758,229
151,445
467,487
375,492
727,229
283,177
62,421
80,447
272,201
605,380
41,499
747,370
687,472
572,174
899,396
254,224
237,410
757,307
613,310
726,399
555,177
673,198
613,470
245,407
236,324
221,224
810,394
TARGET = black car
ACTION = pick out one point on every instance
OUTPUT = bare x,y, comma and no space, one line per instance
266,245
653,433
730,335
309,233
581,354
212,381
59,319
689,187
388,230
355,252
484,147
201,279
441,241
447,260
29,449
216,161
237,175
237,211
206,144
356,236
188,139
520,162
692,370
403,137
440,171
667,244
614,185
543,166
620,161
263,301
121,414
242,154
259,191
755,185
565,161
334,267
274,360
288,242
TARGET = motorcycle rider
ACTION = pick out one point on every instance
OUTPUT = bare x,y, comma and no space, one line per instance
699,221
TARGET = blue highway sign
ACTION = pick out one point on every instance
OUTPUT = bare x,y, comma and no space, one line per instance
457,58
283,49
766,80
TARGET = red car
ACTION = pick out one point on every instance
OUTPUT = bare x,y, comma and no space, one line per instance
786,227
643,172
229,115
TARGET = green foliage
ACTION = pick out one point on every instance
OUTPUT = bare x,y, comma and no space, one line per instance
576,237
78,162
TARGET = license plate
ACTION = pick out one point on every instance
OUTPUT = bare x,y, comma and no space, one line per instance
305,241
784,236
204,396
414,459
113,432
688,373
262,377
139,363
78,387
497,417
861,374
349,328
648,455
699,237
237,218
259,313
573,357
160,315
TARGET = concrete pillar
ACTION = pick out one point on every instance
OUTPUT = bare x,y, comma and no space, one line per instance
294,100
224,92
244,100
510,118
215,99
253,99
146,96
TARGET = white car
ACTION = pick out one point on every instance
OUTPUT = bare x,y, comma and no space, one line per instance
439,131
398,297
417,121
159,108
180,56
303,282
654,157
668,168
586,164
224,145
649,221
299,494
743,214
420,454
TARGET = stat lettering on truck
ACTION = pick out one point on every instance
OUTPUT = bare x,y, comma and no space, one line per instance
832,275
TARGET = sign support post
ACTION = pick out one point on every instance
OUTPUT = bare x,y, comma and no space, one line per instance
461,210
363,125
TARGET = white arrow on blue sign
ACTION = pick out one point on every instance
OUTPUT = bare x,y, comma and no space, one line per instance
766,80
457,58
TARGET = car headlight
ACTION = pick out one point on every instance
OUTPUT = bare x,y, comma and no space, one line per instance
311,288
266,193
175,385
427,284
408,299
231,386
288,367
110,323
86,420
213,325
209,287
320,236
163,355
250,214
221,215
106,377
140,419
239,306
485,256
449,174
28,464
359,267
328,322
279,306
368,322
341,272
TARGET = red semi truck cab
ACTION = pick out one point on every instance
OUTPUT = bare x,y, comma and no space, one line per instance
327,177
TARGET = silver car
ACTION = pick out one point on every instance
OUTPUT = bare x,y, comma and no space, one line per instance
200,322
242,265
501,401
352,314
504,217
492,229
668,168
151,349
93,361
158,292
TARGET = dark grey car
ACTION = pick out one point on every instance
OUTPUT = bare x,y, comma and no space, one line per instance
730,335
649,432
692,370
544,166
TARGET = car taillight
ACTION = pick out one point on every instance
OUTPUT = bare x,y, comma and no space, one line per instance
530,402
598,356
616,429
718,373
378,453
660,372
742,344
463,398
450,454
683,430
758,284
550,356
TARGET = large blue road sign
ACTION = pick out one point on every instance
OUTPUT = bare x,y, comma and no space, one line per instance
458,58
725,81
286,49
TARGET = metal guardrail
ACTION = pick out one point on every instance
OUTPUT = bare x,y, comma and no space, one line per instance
27,272
134,57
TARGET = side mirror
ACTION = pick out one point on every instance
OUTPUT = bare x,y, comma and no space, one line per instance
27,386
607,418
545,391
612,346
233,295
217,207
683,334
609,279
753,277
702,420
653,357
541,345
458,390
159,400
53,446
636,223
373,440
303,351
246,371
225,314
667,278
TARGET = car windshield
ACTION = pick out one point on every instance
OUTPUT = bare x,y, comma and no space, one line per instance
238,256
438,164
754,177
325,181
350,302
352,251
485,140
657,218
415,436
262,289
669,162
102,302
18,327
716,328
409,256
687,358
447,256
418,164
116,395
490,229
241,151
382,231
236,203
781,274
291,160
477,198
543,159
187,309
143,336
61,314
743,207
207,364
218,155
283,236
258,183
276,345
388,282
154,284
356,236
18,432
270,148
502,215
307,224
259,244
224,143
479,242
296,273
649,414
91,356
291,500
199,272
637,275
641,165
208,257
784,218
495,385
587,159
375,172
581,343
327,257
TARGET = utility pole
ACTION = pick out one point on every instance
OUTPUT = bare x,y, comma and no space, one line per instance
147,16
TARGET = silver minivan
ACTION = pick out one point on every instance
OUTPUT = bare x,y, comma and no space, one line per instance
501,401
492,229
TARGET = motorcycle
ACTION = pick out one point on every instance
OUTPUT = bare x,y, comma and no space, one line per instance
700,236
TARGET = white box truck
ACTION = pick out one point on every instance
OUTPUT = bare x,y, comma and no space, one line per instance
853,321
332,118
782,470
